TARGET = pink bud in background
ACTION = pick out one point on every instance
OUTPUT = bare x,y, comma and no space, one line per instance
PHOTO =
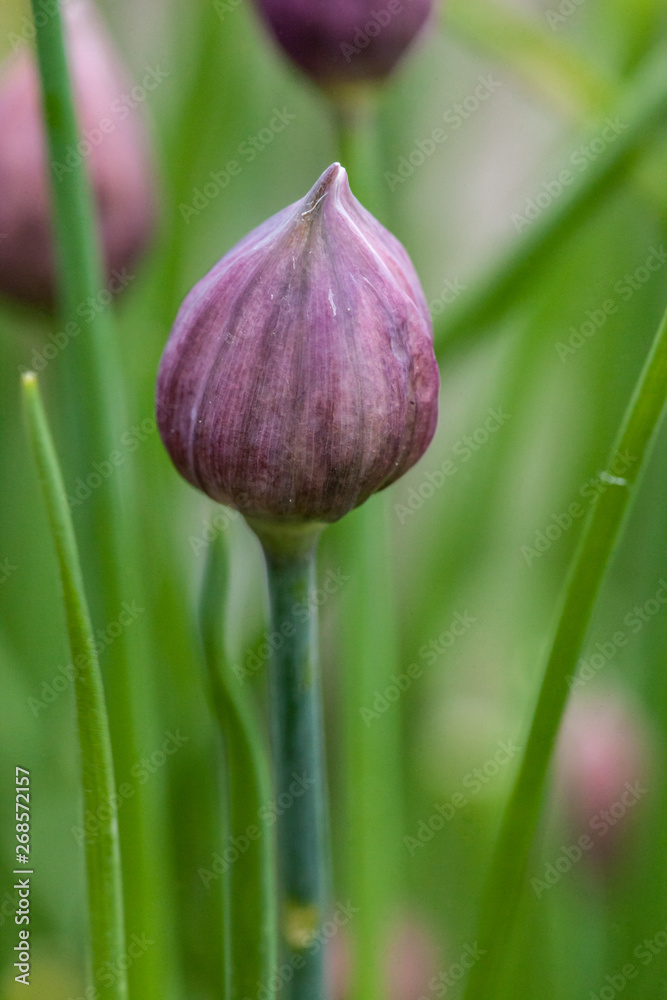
345,41
338,966
299,377
411,961
603,770
113,145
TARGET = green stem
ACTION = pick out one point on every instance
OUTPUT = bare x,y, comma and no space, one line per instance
640,108
93,397
298,761
597,546
355,120
105,896
78,251
90,357
249,883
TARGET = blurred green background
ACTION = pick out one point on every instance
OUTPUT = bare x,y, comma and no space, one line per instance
517,86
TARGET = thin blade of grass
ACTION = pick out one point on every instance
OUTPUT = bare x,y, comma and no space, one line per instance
91,400
600,538
248,881
640,108
374,869
103,866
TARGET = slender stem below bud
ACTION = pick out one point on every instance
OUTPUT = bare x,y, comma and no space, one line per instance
356,124
299,776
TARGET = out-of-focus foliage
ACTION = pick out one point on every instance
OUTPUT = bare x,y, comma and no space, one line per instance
484,527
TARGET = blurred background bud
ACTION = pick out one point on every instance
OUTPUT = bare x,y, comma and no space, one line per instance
300,376
338,966
603,770
411,960
345,41
113,146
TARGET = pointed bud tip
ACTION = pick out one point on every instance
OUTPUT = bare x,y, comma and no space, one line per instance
332,180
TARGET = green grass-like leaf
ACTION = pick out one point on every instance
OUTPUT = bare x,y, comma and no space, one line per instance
105,898
248,883
639,109
600,538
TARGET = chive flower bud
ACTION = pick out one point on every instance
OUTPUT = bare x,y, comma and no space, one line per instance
300,377
345,41
602,769
113,145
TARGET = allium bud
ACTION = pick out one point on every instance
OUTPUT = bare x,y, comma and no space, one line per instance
113,144
344,41
411,963
300,376
602,769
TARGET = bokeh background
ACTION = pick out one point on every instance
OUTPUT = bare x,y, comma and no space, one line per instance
530,402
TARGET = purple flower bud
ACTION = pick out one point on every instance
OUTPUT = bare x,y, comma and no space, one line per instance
300,376
343,41
113,145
